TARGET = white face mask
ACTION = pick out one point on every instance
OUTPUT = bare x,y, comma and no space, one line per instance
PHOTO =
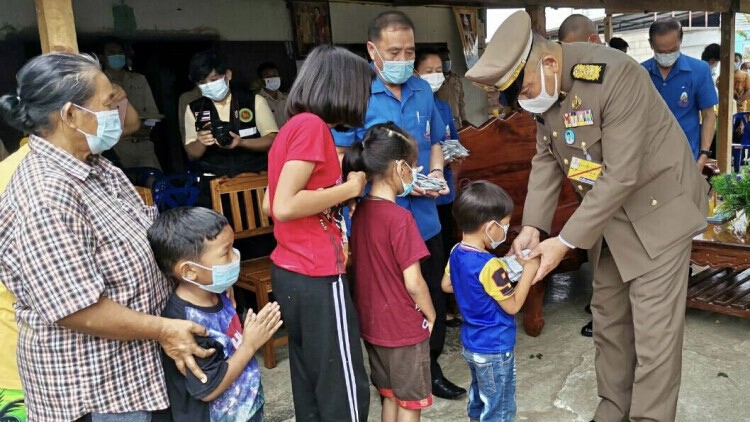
273,84
494,244
666,59
543,101
434,79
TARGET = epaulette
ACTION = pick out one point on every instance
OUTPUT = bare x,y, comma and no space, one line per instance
588,72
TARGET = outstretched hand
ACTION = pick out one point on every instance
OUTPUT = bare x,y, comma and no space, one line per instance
551,251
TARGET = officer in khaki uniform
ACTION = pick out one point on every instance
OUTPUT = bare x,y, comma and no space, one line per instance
643,201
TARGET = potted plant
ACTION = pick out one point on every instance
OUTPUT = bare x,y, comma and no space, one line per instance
734,189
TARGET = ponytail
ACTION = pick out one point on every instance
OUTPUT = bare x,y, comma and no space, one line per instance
383,144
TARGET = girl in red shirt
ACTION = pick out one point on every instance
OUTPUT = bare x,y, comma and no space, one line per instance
305,194
393,301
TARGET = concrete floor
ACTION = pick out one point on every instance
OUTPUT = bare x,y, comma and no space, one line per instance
561,386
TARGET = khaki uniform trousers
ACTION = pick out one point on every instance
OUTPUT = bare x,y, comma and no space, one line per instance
638,334
137,154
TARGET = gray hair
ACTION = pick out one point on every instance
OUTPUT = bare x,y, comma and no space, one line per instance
45,84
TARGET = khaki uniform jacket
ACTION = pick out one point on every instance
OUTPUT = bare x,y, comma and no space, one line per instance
650,196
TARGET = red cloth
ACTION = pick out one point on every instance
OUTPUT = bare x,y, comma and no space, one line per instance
313,245
385,242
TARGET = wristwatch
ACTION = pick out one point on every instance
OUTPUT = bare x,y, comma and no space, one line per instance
705,152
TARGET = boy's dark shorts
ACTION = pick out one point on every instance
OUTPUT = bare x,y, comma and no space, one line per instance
402,373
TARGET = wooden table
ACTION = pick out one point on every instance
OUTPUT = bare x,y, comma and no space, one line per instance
725,286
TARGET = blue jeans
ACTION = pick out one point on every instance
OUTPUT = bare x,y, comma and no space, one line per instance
492,395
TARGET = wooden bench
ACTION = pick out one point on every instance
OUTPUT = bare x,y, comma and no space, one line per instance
244,196
501,152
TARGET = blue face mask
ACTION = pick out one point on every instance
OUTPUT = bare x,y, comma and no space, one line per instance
408,187
116,61
495,244
216,90
395,71
222,276
108,130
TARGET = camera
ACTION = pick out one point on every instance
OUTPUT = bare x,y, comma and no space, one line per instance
219,130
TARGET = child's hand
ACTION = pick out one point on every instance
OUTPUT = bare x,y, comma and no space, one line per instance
259,328
359,180
531,265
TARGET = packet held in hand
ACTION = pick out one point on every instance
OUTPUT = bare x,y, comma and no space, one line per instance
429,184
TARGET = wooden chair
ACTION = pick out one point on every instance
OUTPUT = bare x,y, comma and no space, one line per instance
244,196
146,195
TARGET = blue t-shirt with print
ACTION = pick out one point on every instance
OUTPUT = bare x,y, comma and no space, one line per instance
243,399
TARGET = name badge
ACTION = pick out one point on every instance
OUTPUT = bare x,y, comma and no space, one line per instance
578,118
248,132
584,171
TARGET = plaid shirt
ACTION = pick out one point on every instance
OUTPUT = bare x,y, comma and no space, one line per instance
70,233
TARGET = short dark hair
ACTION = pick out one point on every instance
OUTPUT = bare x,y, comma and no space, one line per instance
422,54
388,19
181,233
619,44
266,66
205,62
45,84
711,52
576,26
112,40
664,26
443,50
481,202
334,84
383,144
738,55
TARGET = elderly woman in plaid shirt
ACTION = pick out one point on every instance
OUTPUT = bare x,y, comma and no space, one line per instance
74,252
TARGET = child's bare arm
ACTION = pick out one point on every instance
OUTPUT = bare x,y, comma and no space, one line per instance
293,201
417,288
258,330
514,303
445,283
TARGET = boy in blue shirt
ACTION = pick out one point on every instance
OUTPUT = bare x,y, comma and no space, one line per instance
489,293
193,246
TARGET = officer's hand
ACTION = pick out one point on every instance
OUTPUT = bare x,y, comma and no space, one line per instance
527,239
552,251
236,140
206,138
702,162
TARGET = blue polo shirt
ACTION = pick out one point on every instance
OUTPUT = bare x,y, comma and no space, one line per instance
447,115
416,114
687,90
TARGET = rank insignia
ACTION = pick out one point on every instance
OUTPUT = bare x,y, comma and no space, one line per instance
591,72
576,102
246,115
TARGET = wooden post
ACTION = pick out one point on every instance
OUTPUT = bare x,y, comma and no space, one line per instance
538,19
57,28
726,92
608,29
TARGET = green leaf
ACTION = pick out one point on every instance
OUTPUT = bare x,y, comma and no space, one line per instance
722,374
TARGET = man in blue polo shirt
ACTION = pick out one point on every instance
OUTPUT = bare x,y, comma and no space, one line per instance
685,84
406,100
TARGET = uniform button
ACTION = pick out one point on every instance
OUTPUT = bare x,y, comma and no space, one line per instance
580,187
565,161
554,134
545,138
654,202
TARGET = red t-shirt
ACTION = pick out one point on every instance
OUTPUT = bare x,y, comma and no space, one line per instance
312,245
385,242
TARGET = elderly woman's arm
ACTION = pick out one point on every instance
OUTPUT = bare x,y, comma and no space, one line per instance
174,335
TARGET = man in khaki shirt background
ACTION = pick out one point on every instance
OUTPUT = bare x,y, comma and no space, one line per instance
452,90
271,91
136,150
643,202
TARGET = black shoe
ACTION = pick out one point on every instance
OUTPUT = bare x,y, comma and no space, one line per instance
587,309
446,390
453,323
588,329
